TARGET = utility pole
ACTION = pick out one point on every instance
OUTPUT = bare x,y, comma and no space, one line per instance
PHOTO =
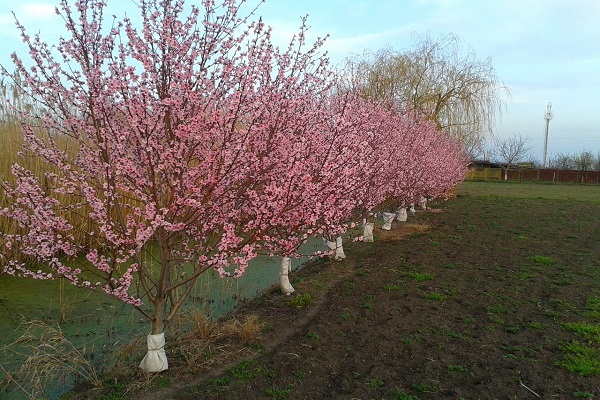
548,116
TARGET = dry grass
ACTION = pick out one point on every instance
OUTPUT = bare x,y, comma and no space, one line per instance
247,331
400,230
196,345
49,357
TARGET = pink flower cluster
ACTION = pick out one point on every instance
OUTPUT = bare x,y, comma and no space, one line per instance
200,144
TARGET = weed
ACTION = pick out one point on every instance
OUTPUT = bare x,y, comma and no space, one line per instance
412,339
456,368
419,277
511,329
583,395
592,308
312,336
301,300
450,266
346,315
580,359
161,381
362,272
375,383
50,356
402,395
221,381
421,387
543,260
585,329
278,393
538,325
299,375
243,370
497,309
437,296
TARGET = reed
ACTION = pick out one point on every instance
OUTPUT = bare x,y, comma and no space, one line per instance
48,357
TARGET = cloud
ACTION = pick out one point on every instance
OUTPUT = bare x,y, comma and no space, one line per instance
36,10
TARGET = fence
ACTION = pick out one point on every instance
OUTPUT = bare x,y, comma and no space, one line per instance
535,175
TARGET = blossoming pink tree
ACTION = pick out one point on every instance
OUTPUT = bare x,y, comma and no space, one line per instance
431,162
178,150
194,143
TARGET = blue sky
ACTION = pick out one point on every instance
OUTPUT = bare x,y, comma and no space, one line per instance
543,50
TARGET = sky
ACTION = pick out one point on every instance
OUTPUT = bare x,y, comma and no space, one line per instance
545,51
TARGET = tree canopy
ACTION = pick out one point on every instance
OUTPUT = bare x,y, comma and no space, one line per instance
458,91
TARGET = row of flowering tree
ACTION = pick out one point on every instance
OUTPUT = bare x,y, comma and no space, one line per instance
195,144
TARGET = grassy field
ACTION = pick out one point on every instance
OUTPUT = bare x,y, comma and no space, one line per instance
574,192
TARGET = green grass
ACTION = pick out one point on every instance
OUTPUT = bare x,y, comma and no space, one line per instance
456,368
584,329
301,300
580,359
564,191
543,260
419,277
437,296
243,370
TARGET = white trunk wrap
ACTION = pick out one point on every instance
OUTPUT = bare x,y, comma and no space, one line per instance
284,281
388,218
337,246
156,358
402,214
368,231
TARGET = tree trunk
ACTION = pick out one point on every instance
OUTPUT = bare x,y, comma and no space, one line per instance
155,359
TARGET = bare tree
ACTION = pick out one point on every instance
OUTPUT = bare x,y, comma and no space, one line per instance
460,92
583,161
561,161
510,151
596,165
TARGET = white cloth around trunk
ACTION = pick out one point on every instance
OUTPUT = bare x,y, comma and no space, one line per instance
156,358
402,214
337,246
388,218
284,281
368,231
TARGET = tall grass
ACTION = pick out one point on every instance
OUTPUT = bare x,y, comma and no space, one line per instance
49,358
15,110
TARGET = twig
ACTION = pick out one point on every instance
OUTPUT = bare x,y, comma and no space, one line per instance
290,354
522,384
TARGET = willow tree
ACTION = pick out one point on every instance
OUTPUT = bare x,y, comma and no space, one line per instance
458,91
